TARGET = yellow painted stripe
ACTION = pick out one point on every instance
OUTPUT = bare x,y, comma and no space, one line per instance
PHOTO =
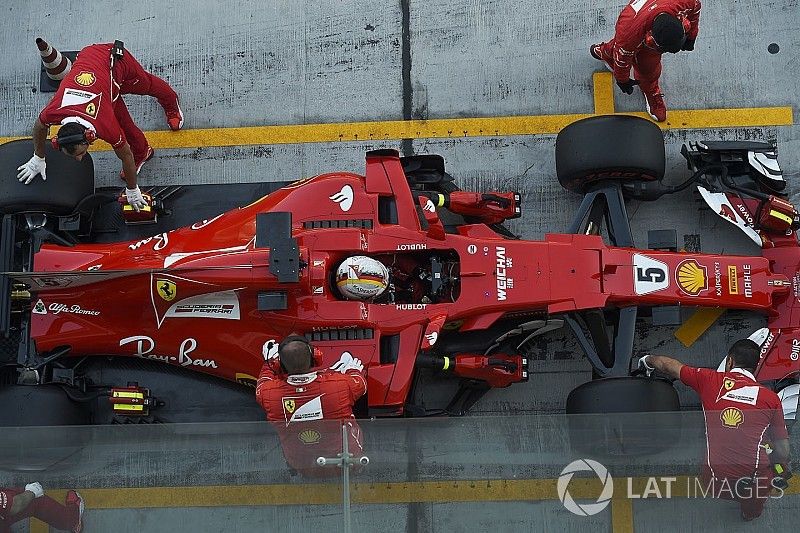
621,508
603,83
376,493
37,526
697,324
447,128
727,118
330,493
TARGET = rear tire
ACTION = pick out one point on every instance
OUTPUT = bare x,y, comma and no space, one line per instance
26,448
68,181
425,171
609,147
40,405
623,416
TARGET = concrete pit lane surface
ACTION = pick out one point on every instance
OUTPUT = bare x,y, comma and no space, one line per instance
280,90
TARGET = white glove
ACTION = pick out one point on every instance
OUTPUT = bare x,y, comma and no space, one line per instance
135,198
645,366
36,489
347,362
270,350
28,171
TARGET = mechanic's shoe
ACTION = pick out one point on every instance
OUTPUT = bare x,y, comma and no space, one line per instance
656,107
175,117
598,55
73,498
139,165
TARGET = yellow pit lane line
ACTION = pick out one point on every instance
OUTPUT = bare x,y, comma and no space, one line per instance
445,492
393,130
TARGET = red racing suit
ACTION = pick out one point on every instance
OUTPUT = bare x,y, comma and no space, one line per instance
627,49
741,417
44,508
308,411
92,92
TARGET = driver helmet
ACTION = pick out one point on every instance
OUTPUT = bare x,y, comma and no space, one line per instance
361,278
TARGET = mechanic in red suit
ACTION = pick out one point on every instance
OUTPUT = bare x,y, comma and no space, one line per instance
19,504
308,407
742,419
645,30
89,105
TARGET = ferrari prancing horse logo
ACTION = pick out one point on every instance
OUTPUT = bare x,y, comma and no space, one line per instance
166,289
728,384
289,405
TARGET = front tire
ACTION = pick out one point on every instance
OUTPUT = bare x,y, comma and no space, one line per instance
609,147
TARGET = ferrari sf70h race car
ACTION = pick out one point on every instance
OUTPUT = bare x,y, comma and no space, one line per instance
102,331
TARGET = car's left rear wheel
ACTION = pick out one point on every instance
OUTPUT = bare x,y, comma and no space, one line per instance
68,181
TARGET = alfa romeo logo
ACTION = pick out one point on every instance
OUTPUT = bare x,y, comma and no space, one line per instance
585,509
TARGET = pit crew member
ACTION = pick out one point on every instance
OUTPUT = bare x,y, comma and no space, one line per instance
742,417
89,105
645,30
308,407
19,504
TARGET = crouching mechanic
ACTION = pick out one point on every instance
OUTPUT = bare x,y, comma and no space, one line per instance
742,418
18,504
309,406
645,30
88,105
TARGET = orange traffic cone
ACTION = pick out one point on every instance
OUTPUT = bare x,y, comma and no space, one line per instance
55,65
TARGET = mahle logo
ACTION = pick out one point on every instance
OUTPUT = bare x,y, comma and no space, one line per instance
586,509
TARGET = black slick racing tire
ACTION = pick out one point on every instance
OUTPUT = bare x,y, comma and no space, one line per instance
41,428
68,181
425,171
609,147
40,405
623,416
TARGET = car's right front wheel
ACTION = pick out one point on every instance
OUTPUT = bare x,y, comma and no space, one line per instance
623,416
617,148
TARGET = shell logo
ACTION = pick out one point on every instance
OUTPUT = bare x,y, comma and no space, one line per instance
85,79
731,417
309,436
692,277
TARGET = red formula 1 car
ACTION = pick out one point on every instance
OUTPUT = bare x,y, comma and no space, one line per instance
129,329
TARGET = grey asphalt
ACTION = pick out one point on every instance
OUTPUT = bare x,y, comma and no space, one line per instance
240,63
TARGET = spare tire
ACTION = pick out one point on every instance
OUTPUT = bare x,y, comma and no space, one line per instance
623,416
609,147
68,181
